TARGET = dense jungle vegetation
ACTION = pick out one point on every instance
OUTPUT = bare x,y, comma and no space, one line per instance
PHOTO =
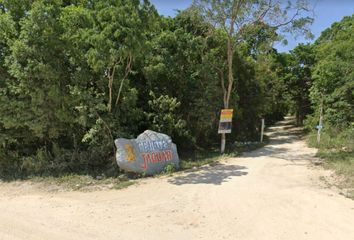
76,74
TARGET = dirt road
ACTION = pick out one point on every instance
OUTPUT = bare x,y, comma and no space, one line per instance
272,193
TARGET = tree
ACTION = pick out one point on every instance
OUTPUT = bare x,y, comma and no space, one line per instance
163,117
40,75
54,114
106,38
76,74
177,67
115,34
234,17
299,80
333,75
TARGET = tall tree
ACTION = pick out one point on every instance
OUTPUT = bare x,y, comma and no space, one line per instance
333,75
115,34
178,66
235,16
299,80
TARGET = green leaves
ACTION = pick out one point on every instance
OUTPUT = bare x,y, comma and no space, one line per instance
299,80
7,28
75,75
164,117
333,73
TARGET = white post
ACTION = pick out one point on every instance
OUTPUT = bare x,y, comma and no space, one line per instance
262,130
320,124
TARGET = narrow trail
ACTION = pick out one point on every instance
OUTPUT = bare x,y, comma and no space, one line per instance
271,193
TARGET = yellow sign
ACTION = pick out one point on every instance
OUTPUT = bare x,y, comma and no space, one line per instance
226,115
130,152
225,123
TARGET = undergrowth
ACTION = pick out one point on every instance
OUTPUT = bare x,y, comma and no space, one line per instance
336,149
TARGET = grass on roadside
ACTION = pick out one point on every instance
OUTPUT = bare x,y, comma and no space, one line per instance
337,150
204,158
75,182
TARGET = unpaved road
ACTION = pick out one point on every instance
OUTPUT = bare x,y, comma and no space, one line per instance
272,193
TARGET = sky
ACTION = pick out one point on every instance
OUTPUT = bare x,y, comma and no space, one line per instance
326,13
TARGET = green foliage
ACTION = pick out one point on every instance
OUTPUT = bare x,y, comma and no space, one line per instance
337,151
178,68
169,169
85,183
76,74
250,12
54,116
333,74
163,116
333,89
299,80
334,138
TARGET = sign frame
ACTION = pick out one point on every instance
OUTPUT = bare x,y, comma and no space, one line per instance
225,122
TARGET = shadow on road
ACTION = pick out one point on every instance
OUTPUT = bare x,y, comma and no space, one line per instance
266,151
216,174
282,134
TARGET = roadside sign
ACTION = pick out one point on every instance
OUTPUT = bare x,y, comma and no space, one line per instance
224,127
226,115
225,123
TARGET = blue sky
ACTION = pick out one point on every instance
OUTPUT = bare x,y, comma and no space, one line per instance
326,13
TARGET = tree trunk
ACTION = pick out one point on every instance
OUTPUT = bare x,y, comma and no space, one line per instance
128,68
120,90
230,57
227,92
111,73
110,84
223,143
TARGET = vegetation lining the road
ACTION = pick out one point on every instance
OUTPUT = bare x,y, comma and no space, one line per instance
337,150
117,68
77,182
75,75
204,157
333,91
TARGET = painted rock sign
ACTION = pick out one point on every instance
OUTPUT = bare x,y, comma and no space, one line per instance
149,153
